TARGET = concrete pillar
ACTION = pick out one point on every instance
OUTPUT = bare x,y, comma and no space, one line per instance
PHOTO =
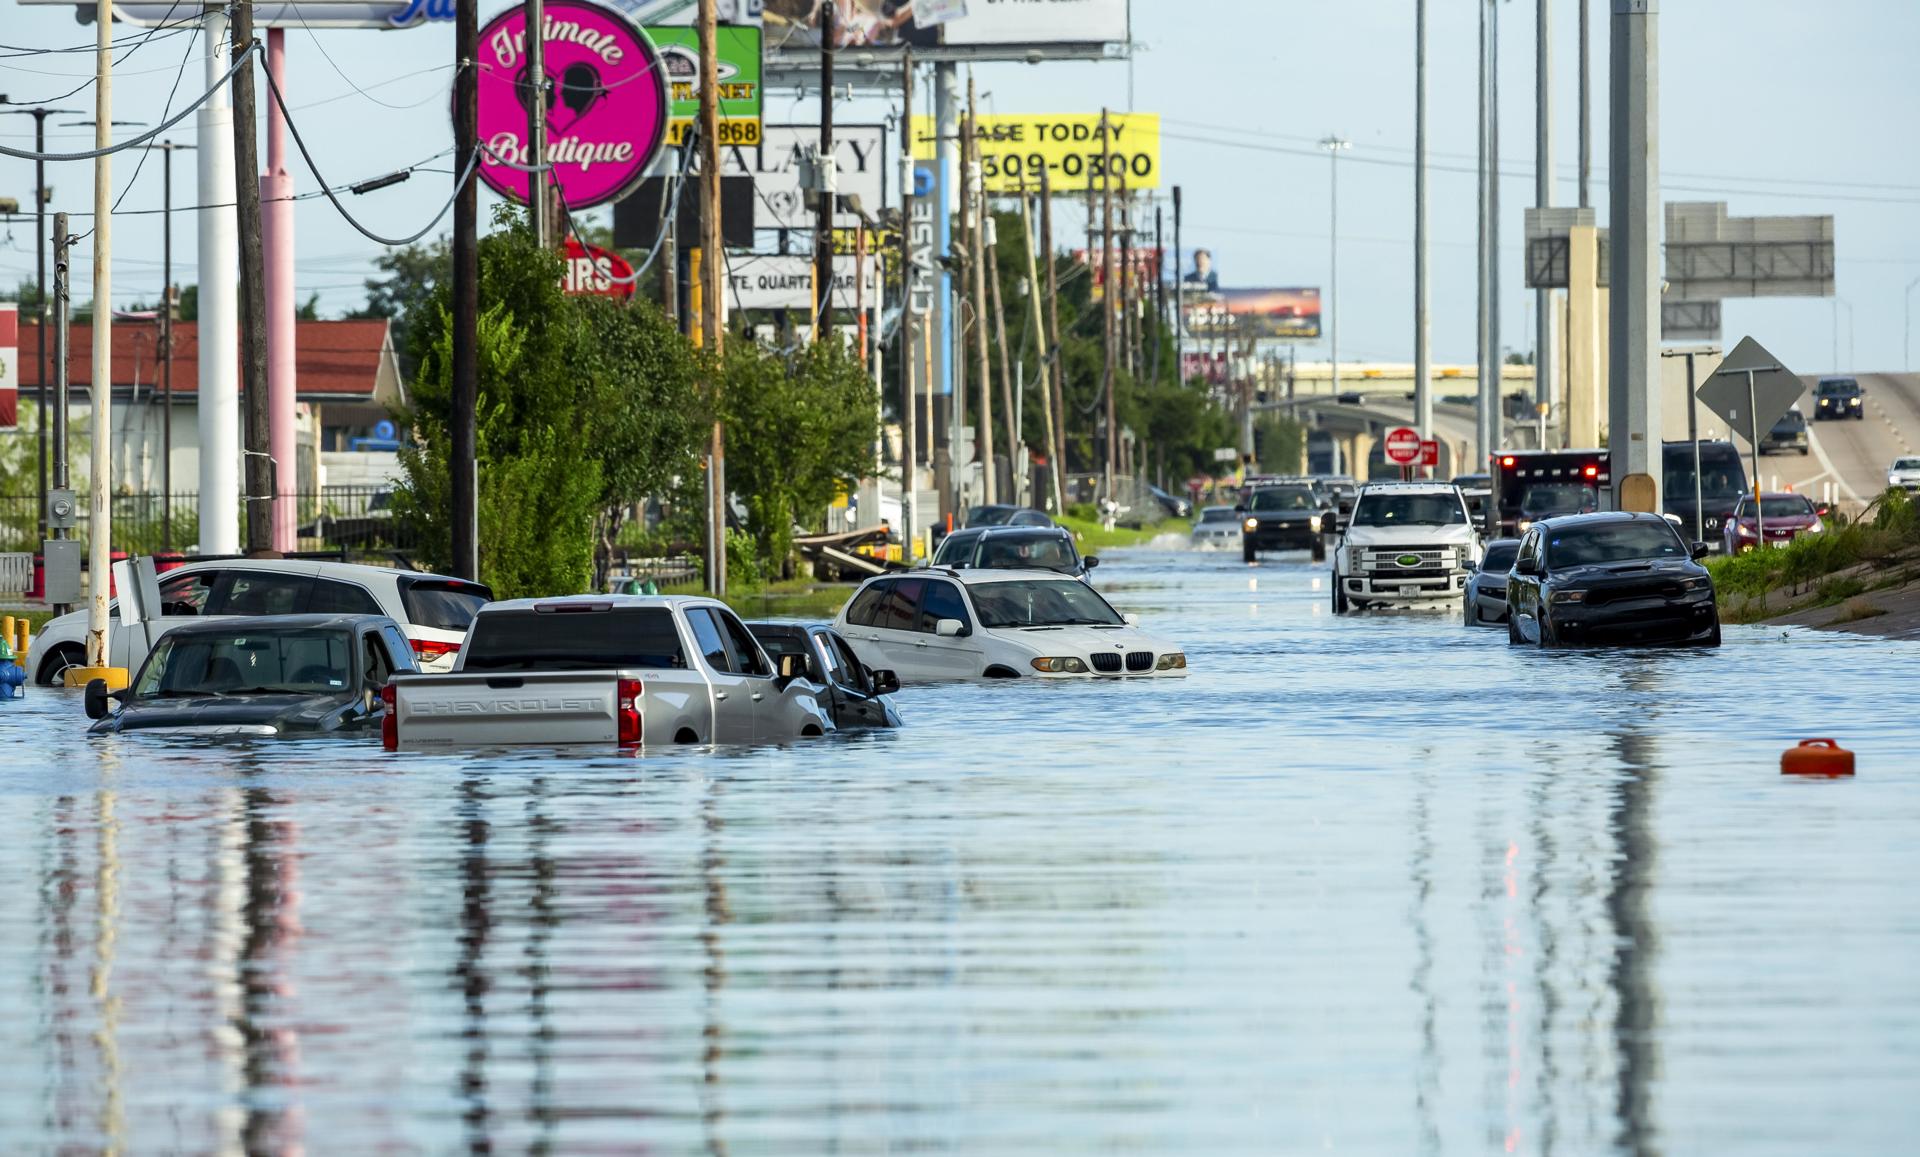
1583,398
219,263
1633,187
276,242
1361,454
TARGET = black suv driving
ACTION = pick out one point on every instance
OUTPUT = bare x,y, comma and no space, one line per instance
1610,578
1286,516
1838,398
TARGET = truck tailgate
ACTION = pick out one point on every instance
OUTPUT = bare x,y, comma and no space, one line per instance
479,710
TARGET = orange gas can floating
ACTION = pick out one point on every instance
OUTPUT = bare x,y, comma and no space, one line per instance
1817,757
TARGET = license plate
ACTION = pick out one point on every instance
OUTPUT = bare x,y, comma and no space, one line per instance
1781,541
1408,591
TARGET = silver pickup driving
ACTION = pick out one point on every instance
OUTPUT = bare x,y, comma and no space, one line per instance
603,669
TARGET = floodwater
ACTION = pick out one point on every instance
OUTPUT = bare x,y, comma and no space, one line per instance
1375,885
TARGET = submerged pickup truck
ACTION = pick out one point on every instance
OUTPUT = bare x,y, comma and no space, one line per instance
622,670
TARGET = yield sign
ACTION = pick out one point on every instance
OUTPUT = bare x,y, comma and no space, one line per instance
1774,389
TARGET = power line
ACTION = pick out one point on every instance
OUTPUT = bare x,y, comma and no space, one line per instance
245,58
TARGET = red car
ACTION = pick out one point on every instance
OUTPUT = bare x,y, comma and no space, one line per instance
1787,516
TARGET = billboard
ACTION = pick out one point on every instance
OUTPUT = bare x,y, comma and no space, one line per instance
1255,313
785,281
1013,25
608,114
859,153
739,72
593,271
1071,147
1141,267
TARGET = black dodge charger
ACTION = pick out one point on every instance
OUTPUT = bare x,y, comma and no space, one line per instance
1612,578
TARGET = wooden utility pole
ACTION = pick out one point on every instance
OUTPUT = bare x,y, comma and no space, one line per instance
539,186
909,405
260,483
1107,296
712,293
823,227
1054,354
1012,416
463,459
1036,303
975,196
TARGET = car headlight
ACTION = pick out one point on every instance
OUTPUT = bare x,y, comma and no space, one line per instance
1172,661
1251,524
1569,596
1068,664
1313,523
1696,584
1525,525
1816,528
1746,532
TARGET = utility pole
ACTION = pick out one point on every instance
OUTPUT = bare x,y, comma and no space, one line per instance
100,389
1422,242
1335,145
829,183
463,462
218,245
61,298
1633,189
1543,360
976,199
1484,313
1052,345
1491,415
1180,296
910,287
1106,298
1036,302
260,482
1159,294
713,304
1586,110
539,188
40,116
169,307
1011,415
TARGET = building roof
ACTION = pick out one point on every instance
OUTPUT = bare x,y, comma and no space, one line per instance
337,361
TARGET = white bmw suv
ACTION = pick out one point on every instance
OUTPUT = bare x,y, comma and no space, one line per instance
1407,542
998,624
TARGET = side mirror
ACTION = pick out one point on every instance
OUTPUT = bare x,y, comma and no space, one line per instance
97,697
1701,550
1130,619
792,667
1240,508
1526,566
884,682
1091,561
949,628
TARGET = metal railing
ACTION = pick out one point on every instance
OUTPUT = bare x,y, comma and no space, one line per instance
352,518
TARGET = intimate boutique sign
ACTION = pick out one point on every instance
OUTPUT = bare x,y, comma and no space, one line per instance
607,107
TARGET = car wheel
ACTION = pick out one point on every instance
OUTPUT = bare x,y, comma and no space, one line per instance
1247,553
1548,638
1319,550
58,660
1804,451
1339,596
1713,639
1513,633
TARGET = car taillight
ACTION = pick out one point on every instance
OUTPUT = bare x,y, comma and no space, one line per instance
390,721
627,709
430,649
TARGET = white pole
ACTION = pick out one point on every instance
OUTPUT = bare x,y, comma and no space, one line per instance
1333,144
219,400
1422,332
100,390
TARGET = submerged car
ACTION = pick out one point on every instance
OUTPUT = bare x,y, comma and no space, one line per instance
1408,543
1217,526
1544,500
1616,577
1002,514
1485,601
280,676
852,693
1014,548
1783,516
1283,517
998,624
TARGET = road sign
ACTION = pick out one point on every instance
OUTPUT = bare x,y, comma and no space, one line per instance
1226,454
1430,452
1402,446
1775,389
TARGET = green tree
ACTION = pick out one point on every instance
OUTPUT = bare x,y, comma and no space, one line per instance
411,276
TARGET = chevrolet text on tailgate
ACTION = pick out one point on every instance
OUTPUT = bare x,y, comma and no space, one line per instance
603,669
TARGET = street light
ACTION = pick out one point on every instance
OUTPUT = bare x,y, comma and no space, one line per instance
1335,145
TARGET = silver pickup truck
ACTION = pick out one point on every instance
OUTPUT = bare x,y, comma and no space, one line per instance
621,670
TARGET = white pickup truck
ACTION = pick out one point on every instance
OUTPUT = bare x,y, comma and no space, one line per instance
620,670
1406,542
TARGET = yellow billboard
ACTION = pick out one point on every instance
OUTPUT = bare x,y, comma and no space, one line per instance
1015,147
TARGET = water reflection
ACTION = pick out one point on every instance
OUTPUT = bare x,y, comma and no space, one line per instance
1375,885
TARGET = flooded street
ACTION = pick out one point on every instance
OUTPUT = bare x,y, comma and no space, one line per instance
1375,884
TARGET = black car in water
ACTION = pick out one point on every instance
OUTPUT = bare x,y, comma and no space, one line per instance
1287,516
284,676
1839,398
1014,548
1611,578
850,692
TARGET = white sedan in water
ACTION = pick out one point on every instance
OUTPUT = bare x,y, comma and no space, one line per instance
1217,528
998,624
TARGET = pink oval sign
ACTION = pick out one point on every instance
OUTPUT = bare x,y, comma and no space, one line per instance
606,102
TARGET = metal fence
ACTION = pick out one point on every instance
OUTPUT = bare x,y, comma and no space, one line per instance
352,518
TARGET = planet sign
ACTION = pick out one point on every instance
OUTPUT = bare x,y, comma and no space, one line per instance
1402,446
607,107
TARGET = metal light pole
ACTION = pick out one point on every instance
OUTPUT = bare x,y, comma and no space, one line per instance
1586,111
1543,360
168,303
1633,186
1484,311
1335,145
1422,332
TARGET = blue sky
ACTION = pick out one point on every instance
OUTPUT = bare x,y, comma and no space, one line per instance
1820,121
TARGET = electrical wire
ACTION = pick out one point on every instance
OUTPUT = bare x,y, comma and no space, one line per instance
141,164
143,138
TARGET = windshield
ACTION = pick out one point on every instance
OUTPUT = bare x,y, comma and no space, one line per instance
1781,506
1500,557
1005,551
1790,421
240,664
1838,387
1543,501
1613,542
1906,463
1387,508
1282,498
444,606
1227,513
1027,603
1722,478
991,515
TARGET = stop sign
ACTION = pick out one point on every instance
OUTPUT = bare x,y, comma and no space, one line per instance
1402,446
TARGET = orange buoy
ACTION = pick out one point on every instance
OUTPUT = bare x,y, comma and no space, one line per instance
1817,757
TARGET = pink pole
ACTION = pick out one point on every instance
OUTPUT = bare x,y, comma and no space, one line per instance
276,236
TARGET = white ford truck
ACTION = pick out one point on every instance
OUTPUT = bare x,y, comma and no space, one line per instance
1407,542
620,670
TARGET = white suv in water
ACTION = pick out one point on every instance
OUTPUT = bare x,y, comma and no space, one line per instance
1407,542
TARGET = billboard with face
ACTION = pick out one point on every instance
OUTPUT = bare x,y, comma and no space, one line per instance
1012,24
